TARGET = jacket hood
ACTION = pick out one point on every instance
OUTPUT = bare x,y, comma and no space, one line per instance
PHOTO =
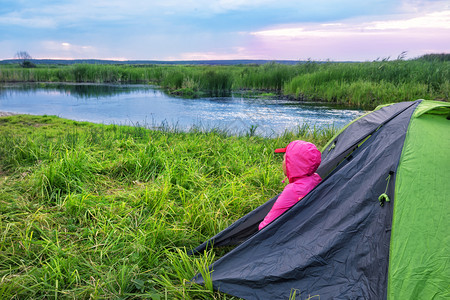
302,159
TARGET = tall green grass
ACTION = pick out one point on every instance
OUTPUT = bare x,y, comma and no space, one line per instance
370,84
107,211
366,84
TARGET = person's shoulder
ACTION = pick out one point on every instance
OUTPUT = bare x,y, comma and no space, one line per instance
288,197
289,189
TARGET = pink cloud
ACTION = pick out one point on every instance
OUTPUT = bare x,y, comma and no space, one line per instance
356,40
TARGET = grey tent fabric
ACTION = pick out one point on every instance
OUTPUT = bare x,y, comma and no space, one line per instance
349,139
355,133
335,242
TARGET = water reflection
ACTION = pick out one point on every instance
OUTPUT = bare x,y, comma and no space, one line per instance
145,105
77,90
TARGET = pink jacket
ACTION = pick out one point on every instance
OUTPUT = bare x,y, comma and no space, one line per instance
302,160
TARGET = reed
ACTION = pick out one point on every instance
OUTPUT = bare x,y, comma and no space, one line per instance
371,84
108,211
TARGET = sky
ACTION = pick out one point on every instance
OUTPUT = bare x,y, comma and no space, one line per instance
336,30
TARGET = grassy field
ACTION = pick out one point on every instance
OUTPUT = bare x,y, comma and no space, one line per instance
365,84
108,212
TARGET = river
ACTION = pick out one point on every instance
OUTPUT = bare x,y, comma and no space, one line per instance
144,105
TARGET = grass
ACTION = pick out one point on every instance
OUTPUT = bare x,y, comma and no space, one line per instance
365,84
106,211
374,83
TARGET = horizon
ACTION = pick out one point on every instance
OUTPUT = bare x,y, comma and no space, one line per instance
173,30
201,61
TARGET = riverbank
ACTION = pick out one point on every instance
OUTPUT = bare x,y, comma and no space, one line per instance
365,85
107,211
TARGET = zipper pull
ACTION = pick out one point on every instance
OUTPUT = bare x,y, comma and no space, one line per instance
384,197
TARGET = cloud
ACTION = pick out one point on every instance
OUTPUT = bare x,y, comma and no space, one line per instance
436,20
67,50
211,29
33,22
61,13
57,14
357,38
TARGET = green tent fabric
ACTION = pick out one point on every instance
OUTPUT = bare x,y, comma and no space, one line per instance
419,266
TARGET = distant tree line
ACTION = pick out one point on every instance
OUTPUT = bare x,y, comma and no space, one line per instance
436,57
26,61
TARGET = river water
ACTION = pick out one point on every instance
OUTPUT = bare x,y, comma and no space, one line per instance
148,106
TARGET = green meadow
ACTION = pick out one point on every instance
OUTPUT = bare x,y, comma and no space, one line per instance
360,84
108,212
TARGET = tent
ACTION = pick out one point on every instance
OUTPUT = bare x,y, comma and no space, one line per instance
376,227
